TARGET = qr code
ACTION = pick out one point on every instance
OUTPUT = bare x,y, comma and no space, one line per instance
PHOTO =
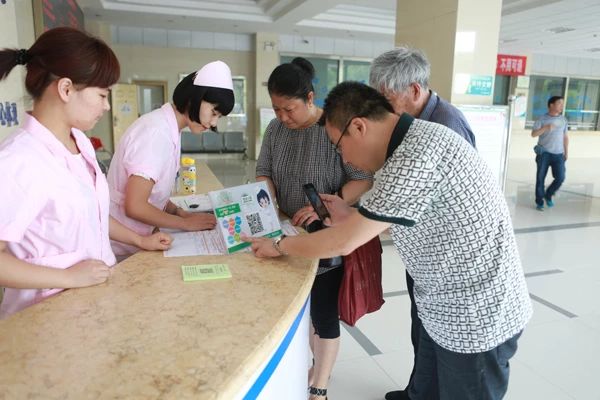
255,223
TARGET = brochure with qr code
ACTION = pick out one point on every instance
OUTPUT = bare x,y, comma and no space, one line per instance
205,272
247,209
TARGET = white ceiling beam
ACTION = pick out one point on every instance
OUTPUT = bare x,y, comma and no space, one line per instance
266,5
344,26
297,11
190,12
184,6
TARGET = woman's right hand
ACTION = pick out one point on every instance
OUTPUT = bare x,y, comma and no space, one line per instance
304,216
87,273
199,222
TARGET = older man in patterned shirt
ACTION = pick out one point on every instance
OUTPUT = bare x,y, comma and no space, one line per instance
450,224
402,76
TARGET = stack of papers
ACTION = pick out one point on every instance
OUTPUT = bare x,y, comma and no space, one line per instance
201,243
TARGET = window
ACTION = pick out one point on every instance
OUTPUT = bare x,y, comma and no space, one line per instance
326,75
331,71
541,88
357,71
581,108
501,89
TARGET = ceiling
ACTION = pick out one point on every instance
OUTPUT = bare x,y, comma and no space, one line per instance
367,19
560,27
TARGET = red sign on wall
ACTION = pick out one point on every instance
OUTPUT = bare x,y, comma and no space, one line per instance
511,65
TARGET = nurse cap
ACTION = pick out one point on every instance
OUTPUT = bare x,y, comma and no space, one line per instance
215,74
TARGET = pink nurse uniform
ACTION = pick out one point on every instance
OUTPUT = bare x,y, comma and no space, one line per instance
54,206
150,148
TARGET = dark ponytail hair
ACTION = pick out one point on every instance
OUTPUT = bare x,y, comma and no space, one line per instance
63,53
293,79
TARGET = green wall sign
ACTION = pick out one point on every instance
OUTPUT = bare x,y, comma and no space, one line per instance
480,85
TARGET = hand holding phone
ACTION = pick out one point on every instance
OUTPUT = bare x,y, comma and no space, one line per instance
315,201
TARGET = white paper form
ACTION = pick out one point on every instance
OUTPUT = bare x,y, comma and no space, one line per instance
201,243
287,228
193,203
204,243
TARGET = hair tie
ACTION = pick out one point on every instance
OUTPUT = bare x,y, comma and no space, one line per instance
22,57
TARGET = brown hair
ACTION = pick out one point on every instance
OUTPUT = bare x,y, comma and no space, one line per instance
63,53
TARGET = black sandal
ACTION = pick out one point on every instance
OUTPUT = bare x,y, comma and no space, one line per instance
317,391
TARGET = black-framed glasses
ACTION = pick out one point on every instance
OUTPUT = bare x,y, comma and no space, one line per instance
337,144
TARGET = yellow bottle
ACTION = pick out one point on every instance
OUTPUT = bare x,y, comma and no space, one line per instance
188,175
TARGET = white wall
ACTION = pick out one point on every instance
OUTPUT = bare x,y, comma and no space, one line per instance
153,37
548,64
333,46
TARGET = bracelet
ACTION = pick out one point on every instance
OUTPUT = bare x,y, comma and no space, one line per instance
276,245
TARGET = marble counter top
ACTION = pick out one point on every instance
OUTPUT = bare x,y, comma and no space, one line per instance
145,334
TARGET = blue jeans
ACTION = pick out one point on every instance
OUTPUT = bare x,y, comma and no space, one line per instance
442,374
557,163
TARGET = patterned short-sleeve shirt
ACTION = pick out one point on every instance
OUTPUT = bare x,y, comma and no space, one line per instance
452,228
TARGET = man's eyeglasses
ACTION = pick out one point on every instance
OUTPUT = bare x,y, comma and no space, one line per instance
337,144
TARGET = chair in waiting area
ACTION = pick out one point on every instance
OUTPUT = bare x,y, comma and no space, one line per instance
234,142
212,142
191,143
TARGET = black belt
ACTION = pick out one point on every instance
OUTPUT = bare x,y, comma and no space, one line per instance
317,225
331,262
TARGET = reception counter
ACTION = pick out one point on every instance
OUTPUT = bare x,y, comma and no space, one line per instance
145,334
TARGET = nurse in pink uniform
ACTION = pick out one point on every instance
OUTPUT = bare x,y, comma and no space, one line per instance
142,172
54,207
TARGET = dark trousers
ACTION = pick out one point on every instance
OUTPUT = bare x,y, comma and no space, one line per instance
556,162
415,324
441,374
324,303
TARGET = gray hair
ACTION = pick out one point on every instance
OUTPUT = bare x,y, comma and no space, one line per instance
395,70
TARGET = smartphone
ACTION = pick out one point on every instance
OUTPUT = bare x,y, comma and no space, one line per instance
315,201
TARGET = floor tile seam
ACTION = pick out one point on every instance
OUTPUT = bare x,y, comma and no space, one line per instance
363,340
552,306
398,385
535,274
549,381
551,228
561,190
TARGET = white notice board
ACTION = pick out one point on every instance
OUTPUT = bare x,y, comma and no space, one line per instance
491,126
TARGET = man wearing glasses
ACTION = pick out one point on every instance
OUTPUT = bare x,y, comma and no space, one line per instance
451,226
402,76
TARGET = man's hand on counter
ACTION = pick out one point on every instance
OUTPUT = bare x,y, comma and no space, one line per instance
262,247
